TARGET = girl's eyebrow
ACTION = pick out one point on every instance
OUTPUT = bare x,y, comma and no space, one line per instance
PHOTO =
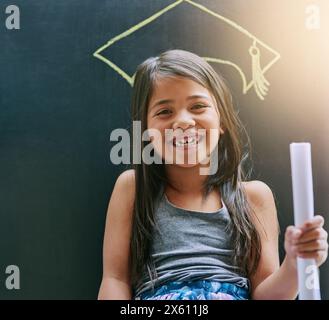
165,101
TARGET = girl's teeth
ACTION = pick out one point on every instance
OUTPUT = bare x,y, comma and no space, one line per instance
189,141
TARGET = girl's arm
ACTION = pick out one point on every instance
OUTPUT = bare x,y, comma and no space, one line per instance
116,248
272,281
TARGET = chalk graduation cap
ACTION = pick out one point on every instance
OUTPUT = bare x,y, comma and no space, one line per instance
187,25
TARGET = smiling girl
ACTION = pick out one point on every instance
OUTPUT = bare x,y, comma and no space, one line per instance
173,233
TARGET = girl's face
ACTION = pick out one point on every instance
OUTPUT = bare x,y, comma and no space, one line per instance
183,112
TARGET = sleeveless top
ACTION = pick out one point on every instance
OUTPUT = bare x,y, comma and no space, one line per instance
191,245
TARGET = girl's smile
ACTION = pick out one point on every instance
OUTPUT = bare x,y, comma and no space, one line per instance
186,141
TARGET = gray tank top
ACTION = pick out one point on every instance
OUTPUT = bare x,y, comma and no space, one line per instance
191,245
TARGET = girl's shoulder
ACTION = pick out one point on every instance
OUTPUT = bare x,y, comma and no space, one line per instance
124,188
127,177
258,193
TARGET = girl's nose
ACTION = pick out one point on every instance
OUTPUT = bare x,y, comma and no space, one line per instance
183,120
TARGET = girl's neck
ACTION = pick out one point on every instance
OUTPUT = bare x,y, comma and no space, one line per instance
186,190
185,180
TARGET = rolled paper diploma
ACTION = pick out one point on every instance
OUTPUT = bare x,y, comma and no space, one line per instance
302,185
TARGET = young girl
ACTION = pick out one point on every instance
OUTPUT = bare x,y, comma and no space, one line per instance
173,233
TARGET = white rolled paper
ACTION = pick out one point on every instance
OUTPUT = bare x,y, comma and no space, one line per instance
302,185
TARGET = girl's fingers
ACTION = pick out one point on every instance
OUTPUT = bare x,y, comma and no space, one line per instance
313,234
308,241
315,222
314,245
292,234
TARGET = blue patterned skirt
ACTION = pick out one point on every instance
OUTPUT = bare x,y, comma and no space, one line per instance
196,290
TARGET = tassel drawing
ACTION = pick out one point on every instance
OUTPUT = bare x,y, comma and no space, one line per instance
260,83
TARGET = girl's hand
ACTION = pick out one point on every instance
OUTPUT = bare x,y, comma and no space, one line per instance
309,241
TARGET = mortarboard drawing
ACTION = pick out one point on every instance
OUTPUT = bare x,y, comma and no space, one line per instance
255,47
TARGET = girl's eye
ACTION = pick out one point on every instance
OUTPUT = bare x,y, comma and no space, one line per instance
163,112
199,106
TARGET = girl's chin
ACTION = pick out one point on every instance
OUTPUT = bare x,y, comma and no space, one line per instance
186,163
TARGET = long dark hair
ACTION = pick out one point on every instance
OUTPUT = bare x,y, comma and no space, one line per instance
228,179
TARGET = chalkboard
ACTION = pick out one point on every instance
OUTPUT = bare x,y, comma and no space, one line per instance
65,84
